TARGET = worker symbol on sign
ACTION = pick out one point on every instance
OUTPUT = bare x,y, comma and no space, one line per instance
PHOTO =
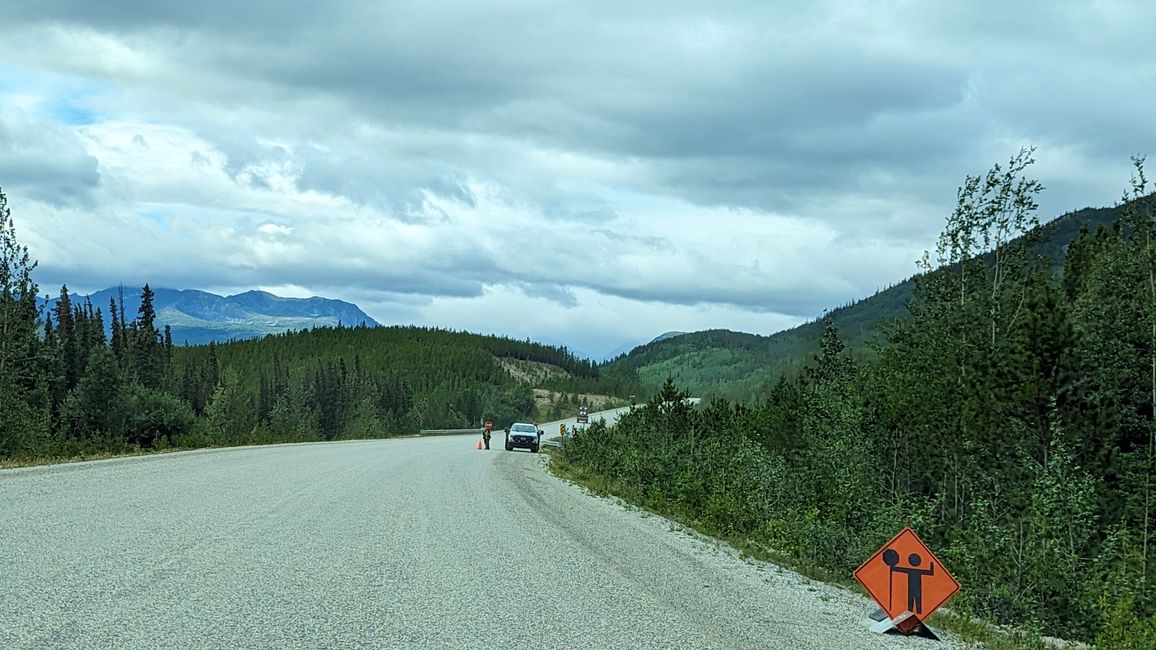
914,577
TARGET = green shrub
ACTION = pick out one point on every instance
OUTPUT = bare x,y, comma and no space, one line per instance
151,415
1124,630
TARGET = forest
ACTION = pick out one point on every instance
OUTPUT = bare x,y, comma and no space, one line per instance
1008,419
88,379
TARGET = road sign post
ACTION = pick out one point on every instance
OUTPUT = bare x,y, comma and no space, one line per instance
908,582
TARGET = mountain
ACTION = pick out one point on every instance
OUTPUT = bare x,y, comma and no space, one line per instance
666,335
738,365
625,348
197,317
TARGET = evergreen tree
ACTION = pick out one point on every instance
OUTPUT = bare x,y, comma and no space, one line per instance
148,361
24,419
168,358
66,334
153,418
229,415
117,334
52,367
101,412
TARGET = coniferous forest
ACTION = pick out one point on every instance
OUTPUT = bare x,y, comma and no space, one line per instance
1008,418
88,379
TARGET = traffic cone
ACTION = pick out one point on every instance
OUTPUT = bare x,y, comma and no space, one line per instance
479,444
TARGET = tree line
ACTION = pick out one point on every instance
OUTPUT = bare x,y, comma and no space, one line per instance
1008,419
83,379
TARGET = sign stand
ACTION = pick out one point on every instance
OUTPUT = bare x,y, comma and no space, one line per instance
906,624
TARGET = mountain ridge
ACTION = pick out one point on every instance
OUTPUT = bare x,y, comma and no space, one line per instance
198,317
739,365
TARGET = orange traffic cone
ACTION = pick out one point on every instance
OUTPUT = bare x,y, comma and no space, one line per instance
479,444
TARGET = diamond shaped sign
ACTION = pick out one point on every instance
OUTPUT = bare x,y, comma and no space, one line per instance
904,576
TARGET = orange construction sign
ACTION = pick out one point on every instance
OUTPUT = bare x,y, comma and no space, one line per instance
905,576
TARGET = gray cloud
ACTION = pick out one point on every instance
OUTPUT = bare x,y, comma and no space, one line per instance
776,159
46,163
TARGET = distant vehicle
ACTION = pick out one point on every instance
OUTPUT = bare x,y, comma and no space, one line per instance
522,434
583,417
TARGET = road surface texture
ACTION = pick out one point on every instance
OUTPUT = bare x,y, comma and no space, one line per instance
405,543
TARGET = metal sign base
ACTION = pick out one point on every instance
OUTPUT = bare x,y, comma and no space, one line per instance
906,624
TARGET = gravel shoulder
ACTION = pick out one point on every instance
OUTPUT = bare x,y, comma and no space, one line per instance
412,543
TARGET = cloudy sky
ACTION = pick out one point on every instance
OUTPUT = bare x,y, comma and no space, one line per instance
587,173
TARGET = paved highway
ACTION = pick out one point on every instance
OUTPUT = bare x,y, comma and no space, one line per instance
611,416
552,432
407,543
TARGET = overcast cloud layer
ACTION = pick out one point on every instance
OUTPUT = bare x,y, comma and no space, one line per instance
586,173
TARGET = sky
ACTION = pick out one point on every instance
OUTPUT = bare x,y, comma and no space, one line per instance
590,173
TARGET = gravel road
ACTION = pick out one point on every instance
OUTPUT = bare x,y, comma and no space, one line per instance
408,543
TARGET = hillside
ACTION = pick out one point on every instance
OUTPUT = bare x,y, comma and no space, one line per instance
354,382
198,317
737,365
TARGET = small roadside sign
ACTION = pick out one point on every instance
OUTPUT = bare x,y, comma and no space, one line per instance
907,580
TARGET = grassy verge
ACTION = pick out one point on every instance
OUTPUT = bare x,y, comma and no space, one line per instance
37,461
965,627
10,463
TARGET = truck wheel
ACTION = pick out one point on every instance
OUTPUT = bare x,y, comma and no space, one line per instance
533,449
508,447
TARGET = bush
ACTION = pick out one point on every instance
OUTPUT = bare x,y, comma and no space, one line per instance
1124,630
151,415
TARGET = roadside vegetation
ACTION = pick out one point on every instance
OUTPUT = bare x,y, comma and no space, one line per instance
1008,419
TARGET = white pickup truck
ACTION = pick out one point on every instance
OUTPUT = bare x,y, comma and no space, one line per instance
522,434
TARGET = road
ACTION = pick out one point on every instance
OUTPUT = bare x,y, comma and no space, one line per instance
552,434
406,543
610,416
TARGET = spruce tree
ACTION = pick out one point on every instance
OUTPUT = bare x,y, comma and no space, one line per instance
148,360
97,395
117,333
66,334
24,418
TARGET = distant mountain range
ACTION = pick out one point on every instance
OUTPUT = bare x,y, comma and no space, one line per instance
198,317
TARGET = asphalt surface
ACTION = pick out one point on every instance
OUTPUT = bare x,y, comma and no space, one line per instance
409,543
552,435
610,416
